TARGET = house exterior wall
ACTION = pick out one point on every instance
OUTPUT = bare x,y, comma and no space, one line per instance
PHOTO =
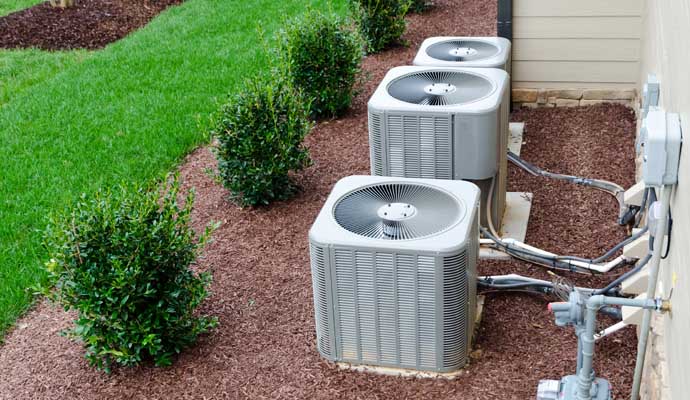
583,44
665,51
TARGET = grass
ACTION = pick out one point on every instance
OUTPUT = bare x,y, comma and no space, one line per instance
9,6
21,69
128,112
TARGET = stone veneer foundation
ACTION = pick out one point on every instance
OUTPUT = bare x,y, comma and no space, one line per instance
571,97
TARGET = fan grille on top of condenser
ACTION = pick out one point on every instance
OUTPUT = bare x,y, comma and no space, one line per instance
440,88
462,50
398,211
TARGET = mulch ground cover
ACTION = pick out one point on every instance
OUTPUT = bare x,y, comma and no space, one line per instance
265,346
90,24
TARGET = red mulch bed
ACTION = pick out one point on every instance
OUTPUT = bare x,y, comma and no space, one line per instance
265,345
90,24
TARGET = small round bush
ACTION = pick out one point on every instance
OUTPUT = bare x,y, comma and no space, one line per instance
260,133
381,22
322,56
121,258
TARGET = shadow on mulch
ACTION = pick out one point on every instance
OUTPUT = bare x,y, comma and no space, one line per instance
265,346
90,24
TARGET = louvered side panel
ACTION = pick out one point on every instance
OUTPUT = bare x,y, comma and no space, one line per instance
395,146
428,153
456,299
345,295
386,309
376,143
412,148
406,284
366,307
426,305
322,307
419,146
443,147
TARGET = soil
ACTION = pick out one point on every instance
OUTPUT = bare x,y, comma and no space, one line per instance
90,24
265,346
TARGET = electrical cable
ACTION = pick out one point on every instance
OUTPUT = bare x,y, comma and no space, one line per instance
539,257
610,253
640,264
606,186
566,263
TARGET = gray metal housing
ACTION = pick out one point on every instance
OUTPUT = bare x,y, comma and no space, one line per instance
396,303
464,141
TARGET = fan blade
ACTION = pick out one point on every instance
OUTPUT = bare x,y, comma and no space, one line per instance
435,210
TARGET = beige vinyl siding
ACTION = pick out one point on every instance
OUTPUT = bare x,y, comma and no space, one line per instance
666,53
577,8
576,71
579,50
592,28
576,44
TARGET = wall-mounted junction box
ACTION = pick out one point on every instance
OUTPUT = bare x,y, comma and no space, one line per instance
660,139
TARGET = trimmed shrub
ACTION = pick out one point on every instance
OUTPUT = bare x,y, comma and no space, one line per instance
322,57
260,133
419,6
121,258
381,22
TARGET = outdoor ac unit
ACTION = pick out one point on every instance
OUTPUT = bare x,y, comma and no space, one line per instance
472,52
393,264
443,123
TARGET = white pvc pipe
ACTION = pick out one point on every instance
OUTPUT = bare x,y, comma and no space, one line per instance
611,329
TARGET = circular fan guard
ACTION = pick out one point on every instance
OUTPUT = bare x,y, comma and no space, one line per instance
438,88
397,211
462,50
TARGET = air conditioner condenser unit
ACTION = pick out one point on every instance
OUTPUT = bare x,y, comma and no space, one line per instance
443,123
393,264
470,52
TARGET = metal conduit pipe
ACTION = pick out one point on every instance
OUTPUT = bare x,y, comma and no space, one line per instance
665,198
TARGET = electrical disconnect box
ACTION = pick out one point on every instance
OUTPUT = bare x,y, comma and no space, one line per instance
660,139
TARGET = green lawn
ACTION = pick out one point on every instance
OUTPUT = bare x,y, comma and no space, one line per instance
8,6
128,112
21,69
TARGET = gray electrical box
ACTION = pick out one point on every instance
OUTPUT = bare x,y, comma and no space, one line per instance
660,139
